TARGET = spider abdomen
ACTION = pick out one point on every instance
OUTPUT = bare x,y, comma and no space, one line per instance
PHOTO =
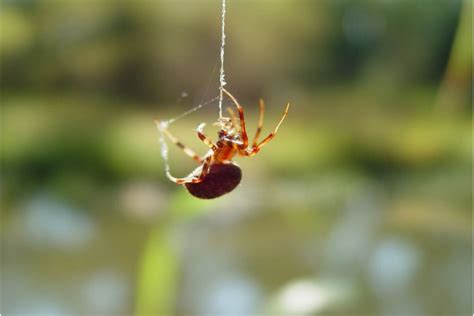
221,179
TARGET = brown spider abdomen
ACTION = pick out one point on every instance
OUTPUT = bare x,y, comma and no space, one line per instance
221,179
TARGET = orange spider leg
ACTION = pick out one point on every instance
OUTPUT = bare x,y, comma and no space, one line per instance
255,149
243,131
188,151
192,178
206,140
260,123
181,180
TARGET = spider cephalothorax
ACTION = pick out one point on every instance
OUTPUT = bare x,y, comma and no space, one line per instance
217,174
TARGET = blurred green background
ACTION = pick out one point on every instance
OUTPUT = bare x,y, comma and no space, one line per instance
360,206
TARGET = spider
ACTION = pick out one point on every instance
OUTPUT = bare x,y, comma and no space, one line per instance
217,173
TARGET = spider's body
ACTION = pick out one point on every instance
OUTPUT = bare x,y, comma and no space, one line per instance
221,179
217,174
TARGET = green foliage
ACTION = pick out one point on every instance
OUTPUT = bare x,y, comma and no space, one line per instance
158,276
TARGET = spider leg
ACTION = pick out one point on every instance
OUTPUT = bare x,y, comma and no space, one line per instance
255,149
192,177
188,179
206,166
206,140
260,123
188,151
243,131
232,117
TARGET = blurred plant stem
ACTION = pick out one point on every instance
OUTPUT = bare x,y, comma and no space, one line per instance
455,88
157,276
158,273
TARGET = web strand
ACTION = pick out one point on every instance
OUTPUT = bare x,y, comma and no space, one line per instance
164,146
222,73
194,109
161,125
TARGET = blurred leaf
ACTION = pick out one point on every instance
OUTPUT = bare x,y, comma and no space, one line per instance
157,283
456,89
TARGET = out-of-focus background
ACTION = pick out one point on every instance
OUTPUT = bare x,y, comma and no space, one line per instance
360,206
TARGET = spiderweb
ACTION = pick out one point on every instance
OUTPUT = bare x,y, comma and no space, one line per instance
222,73
162,125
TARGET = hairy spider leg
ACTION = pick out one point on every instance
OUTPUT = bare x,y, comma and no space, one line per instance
261,106
243,131
192,177
255,149
188,151
206,140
